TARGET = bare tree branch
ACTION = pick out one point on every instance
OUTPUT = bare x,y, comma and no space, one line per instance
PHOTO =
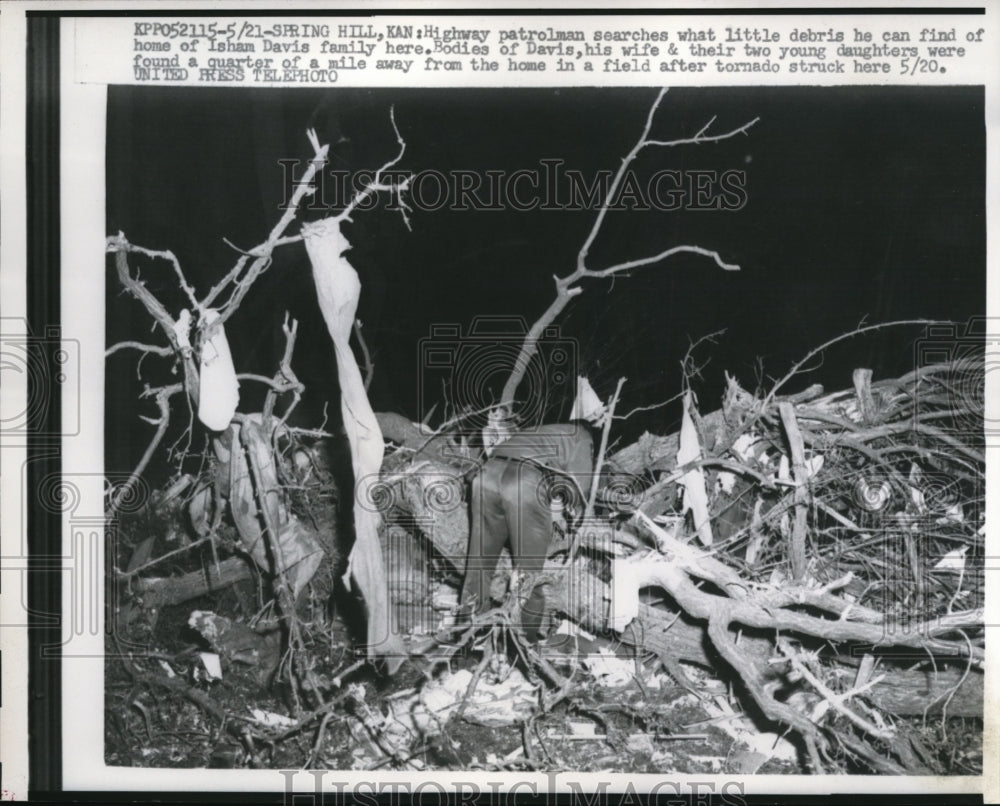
262,253
285,376
377,184
121,247
162,401
599,461
135,345
566,287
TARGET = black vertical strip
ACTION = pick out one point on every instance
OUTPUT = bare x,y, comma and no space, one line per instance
44,462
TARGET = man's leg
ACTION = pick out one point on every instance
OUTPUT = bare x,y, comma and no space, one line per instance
529,517
487,535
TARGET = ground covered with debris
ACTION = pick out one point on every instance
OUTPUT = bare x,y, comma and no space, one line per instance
202,670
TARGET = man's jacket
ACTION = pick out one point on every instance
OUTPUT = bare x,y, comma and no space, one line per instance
564,447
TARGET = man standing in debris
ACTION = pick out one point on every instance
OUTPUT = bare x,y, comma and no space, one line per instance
511,505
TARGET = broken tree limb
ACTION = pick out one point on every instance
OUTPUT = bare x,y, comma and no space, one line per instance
912,692
585,599
157,592
797,538
692,482
752,612
602,450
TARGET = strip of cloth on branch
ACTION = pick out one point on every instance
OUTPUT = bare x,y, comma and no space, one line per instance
338,290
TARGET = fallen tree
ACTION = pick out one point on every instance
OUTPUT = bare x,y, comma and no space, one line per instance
785,540
851,519
887,498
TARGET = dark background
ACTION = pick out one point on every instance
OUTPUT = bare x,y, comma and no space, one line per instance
863,204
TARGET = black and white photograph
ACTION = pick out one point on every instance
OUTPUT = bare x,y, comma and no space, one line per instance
588,403
628,430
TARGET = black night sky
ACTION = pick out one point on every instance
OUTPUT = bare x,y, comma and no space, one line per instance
861,204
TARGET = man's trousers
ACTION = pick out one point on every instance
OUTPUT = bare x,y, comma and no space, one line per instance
509,506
